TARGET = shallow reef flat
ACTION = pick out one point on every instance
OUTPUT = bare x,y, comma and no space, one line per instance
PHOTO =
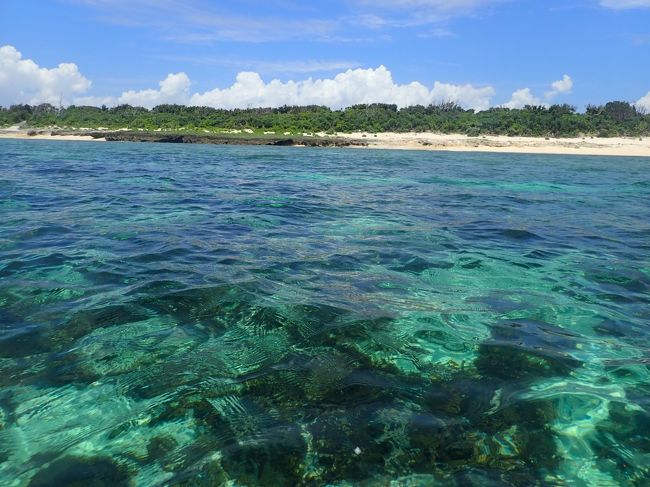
199,315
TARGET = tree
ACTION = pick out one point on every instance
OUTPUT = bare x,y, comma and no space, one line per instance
620,111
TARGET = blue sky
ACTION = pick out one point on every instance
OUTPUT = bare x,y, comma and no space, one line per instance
479,52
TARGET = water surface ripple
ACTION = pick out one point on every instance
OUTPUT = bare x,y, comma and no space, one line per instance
202,315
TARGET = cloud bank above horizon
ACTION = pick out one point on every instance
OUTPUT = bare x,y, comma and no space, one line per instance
352,87
24,81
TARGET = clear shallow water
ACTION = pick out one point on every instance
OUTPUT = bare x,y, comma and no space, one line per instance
197,315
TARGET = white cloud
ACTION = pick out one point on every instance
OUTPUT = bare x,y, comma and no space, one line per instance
175,88
560,87
352,87
202,22
465,95
525,96
409,13
521,98
24,81
644,103
348,88
625,4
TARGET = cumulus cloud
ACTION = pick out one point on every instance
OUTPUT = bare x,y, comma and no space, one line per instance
560,87
625,4
465,95
521,98
24,81
644,103
174,89
352,87
525,96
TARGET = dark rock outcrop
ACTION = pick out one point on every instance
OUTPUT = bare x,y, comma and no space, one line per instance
171,138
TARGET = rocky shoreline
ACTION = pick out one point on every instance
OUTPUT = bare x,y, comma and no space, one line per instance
173,138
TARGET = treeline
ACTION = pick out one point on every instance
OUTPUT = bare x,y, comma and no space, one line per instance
612,119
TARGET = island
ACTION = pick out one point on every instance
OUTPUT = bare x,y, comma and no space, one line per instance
615,128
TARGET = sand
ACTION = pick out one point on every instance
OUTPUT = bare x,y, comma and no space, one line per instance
52,137
614,146
18,133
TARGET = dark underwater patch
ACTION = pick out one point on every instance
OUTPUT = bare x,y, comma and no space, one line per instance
82,472
526,349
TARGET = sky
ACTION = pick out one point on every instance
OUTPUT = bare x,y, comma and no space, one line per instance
249,53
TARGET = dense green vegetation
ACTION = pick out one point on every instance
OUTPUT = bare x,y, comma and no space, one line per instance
612,119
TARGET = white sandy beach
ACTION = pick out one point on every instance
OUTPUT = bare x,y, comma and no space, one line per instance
18,133
615,146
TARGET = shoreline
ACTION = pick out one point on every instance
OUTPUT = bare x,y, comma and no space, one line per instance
615,146
12,133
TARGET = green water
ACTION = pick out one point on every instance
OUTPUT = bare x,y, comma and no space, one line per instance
203,315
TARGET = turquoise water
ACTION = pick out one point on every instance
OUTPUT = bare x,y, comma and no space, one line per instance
205,315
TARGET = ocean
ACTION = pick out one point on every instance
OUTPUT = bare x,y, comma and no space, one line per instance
208,315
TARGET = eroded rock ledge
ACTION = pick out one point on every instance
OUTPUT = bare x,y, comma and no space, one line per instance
120,136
